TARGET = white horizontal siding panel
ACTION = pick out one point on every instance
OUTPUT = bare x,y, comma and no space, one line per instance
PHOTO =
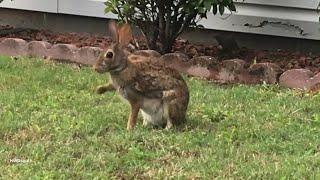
276,12
93,8
33,5
303,4
289,18
267,20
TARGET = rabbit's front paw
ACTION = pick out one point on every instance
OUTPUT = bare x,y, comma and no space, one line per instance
104,88
101,89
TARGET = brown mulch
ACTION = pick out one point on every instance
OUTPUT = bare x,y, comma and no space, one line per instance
285,59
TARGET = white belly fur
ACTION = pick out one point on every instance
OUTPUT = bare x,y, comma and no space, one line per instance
154,112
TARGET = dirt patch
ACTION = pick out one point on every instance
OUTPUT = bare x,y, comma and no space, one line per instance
77,39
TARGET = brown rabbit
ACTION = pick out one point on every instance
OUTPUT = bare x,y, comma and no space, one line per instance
145,82
146,53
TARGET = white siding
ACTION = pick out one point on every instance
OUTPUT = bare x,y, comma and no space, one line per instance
269,20
303,4
33,5
289,18
94,8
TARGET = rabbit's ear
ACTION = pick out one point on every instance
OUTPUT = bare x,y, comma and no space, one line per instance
113,29
125,35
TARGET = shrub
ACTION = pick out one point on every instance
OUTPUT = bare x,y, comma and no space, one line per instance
162,21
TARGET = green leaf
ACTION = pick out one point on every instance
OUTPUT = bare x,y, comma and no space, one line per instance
126,8
202,10
207,4
214,9
108,9
232,7
114,11
221,9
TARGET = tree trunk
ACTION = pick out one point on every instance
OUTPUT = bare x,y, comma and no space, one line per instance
162,33
162,46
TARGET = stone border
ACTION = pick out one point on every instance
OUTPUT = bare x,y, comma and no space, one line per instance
41,49
227,71
239,71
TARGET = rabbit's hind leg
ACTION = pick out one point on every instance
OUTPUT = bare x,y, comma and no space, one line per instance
175,109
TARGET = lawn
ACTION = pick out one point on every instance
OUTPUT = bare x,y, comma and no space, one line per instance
51,120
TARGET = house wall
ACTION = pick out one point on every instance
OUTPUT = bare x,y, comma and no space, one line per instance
87,16
33,5
287,18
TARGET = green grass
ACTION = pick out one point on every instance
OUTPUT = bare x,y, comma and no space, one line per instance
50,115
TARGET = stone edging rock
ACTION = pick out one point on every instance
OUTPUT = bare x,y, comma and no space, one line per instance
40,49
228,71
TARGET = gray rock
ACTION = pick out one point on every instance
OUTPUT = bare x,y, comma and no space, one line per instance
147,53
315,83
13,47
88,55
174,58
296,79
205,61
234,65
38,49
63,52
265,72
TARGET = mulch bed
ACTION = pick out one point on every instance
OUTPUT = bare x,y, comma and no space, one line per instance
285,59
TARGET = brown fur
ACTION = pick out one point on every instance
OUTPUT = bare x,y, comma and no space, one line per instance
144,81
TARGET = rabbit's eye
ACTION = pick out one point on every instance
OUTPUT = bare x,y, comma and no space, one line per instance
109,54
